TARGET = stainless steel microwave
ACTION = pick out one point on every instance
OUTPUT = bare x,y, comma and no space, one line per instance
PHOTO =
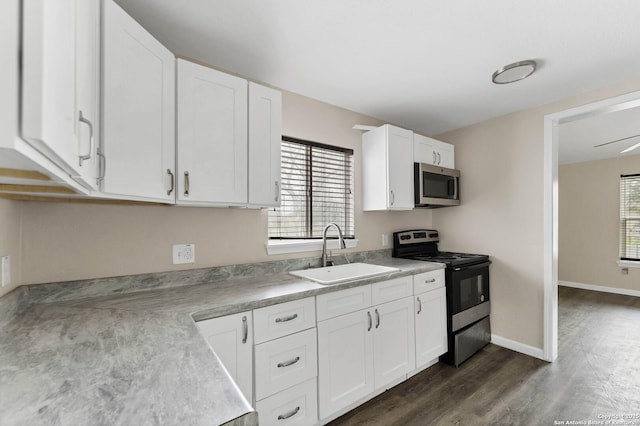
436,186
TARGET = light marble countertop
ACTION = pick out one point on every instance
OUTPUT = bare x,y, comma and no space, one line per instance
109,352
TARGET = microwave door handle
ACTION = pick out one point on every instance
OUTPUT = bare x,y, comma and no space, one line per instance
452,188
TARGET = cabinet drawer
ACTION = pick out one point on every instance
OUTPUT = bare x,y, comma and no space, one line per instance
395,289
285,362
343,302
428,281
280,320
297,406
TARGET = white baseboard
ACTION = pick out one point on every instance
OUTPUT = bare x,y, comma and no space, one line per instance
615,290
517,346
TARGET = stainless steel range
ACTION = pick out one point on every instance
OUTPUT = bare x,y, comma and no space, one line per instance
467,283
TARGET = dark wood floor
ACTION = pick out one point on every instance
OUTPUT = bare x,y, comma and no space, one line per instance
597,374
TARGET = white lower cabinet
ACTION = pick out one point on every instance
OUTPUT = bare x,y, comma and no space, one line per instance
345,361
297,405
365,351
231,338
316,358
393,341
286,363
431,325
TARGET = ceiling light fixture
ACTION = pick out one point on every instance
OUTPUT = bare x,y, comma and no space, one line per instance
514,72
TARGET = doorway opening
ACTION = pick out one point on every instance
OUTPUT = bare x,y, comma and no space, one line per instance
550,243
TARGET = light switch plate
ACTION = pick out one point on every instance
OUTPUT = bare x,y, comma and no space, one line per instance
184,253
6,271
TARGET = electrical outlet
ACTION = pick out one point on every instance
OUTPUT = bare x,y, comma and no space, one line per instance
6,271
184,253
385,240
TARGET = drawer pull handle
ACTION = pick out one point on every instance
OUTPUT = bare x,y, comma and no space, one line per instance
419,306
432,280
245,330
289,318
289,414
288,363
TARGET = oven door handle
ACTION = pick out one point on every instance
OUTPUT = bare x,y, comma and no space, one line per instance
478,266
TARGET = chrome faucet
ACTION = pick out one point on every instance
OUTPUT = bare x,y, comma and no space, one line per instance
341,242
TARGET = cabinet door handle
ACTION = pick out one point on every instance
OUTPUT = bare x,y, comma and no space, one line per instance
245,330
102,167
432,280
91,138
277,191
435,159
393,197
370,321
285,319
186,184
288,363
438,159
173,182
289,414
419,306
377,319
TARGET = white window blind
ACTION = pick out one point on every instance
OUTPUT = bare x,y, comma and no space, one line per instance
630,217
316,189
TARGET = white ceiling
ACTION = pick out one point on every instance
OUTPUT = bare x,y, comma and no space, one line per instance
422,64
618,130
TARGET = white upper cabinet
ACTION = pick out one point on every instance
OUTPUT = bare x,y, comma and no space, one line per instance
212,136
60,83
387,169
265,135
430,151
138,144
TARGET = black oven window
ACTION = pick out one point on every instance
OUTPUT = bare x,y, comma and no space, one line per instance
471,292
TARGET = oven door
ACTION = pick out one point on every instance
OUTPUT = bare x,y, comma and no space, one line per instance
435,186
469,286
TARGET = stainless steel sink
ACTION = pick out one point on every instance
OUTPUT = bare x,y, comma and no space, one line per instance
342,273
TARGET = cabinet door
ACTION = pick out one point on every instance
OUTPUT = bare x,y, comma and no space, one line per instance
400,168
431,325
138,110
423,150
212,136
445,155
88,89
345,361
231,338
430,151
60,82
265,135
393,340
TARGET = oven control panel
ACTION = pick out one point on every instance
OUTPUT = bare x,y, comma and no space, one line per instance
416,236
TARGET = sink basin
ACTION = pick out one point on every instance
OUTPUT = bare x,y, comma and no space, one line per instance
341,273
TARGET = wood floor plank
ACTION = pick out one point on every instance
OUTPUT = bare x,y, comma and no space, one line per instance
597,374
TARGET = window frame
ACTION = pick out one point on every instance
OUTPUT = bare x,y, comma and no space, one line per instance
310,242
625,217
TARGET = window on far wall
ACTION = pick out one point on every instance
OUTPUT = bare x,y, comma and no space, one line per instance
630,217
316,189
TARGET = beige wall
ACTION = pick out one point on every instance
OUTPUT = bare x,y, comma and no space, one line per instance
501,162
77,241
589,220
10,238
